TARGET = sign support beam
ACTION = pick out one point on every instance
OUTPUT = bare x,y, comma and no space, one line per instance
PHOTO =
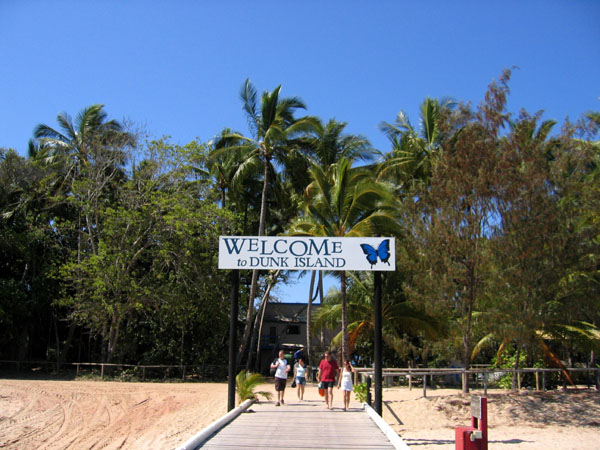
377,344
235,288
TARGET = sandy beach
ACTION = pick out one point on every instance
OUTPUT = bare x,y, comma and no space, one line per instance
41,414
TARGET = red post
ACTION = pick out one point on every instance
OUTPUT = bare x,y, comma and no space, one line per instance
474,437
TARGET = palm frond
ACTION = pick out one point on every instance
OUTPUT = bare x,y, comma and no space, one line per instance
245,384
250,105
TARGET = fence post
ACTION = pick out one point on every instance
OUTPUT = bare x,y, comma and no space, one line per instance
425,386
543,380
102,371
537,380
369,399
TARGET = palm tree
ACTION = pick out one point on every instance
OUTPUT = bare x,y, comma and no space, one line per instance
81,141
91,142
246,382
228,168
413,153
89,149
345,202
328,145
397,317
275,137
534,332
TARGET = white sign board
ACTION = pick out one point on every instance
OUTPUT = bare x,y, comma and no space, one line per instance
307,253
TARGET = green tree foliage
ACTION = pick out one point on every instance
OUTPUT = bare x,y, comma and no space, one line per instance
108,246
276,137
30,253
345,202
496,234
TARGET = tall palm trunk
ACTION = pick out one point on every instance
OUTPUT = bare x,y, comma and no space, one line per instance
254,283
308,314
261,319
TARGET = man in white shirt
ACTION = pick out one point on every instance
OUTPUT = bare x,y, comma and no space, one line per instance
282,368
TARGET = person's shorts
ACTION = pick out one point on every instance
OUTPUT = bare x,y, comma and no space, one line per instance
301,380
327,384
280,384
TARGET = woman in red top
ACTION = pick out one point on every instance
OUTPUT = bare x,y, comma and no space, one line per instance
328,370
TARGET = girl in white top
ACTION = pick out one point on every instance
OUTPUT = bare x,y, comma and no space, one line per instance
300,373
345,381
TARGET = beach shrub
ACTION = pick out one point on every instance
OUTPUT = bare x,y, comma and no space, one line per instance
360,392
245,384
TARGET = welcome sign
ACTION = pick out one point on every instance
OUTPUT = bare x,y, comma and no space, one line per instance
307,253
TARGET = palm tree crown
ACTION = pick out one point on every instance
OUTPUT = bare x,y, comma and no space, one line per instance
345,202
413,153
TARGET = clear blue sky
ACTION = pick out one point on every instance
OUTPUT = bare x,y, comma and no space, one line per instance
175,68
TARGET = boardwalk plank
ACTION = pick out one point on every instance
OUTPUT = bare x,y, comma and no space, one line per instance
300,426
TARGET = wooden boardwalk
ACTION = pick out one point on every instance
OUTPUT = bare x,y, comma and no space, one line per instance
300,425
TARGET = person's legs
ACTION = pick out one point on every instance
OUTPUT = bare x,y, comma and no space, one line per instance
346,400
300,390
280,389
330,399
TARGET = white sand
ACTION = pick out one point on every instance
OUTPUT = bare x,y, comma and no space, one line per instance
110,415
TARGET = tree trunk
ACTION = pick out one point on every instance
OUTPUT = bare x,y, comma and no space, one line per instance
254,283
308,314
467,351
516,367
181,346
104,348
68,343
113,338
57,340
467,333
260,317
321,287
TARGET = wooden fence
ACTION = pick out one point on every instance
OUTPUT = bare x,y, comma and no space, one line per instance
482,376
203,372
477,377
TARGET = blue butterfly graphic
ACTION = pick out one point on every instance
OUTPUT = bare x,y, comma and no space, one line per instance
382,252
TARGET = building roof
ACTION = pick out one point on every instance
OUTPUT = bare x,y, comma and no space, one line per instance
287,312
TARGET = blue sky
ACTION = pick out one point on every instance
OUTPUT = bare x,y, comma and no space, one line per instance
175,68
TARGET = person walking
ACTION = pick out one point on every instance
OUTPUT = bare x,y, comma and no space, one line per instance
282,368
345,381
328,370
300,374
